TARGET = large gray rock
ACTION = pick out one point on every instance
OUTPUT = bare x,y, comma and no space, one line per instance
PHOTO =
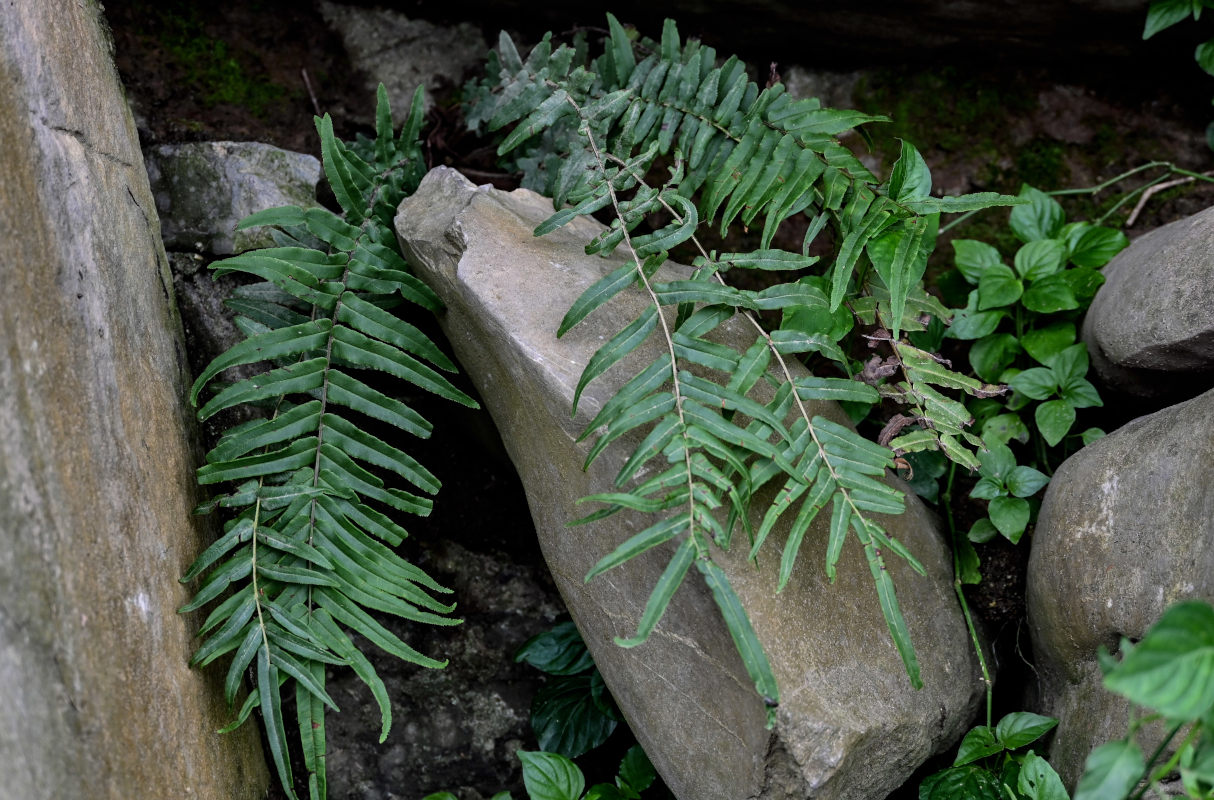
404,53
203,189
1126,529
849,725
96,452
1151,326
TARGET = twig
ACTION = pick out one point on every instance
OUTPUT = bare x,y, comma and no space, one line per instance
1159,187
311,94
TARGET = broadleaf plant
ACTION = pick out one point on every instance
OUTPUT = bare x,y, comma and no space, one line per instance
307,551
1023,322
590,133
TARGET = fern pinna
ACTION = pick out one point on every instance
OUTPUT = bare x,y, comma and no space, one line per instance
308,549
589,134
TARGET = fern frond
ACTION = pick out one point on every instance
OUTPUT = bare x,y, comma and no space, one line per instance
308,552
721,423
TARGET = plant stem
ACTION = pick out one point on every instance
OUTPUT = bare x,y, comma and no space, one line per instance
1151,778
946,501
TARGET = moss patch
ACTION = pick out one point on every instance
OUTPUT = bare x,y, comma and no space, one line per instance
214,70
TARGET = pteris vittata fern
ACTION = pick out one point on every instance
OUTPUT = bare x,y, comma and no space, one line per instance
307,550
590,133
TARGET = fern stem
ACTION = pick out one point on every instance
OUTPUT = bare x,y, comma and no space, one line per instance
653,298
771,346
261,622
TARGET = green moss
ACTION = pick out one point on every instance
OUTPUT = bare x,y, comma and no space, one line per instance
946,108
208,66
1040,163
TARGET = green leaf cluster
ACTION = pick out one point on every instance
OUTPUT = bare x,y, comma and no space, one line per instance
1170,671
1022,323
313,485
719,423
990,765
573,712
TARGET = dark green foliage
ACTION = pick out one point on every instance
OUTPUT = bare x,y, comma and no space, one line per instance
590,132
1171,671
307,550
573,712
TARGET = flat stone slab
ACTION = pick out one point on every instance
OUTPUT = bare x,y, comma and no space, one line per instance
849,725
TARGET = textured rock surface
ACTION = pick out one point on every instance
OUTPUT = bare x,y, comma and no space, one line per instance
849,724
96,463
1151,326
405,53
457,729
1126,529
203,189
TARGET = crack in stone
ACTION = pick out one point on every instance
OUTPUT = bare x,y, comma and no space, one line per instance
81,137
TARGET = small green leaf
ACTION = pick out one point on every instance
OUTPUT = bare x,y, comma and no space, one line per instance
1093,245
973,258
1039,258
1084,282
910,178
980,742
1081,394
998,287
636,770
991,355
1054,419
651,537
969,782
1043,344
565,718
997,462
1164,14
1040,218
1039,781
1091,435
557,651
988,488
1010,515
1049,294
663,591
1026,481
970,323
549,776
1037,383
982,531
1172,668
620,345
1112,770
1002,428
1021,728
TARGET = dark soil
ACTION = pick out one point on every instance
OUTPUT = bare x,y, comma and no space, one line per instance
260,70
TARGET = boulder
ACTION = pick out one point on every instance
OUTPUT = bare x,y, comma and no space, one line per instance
1126,529
1150,329
849,725
403,53
97,449
203,189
